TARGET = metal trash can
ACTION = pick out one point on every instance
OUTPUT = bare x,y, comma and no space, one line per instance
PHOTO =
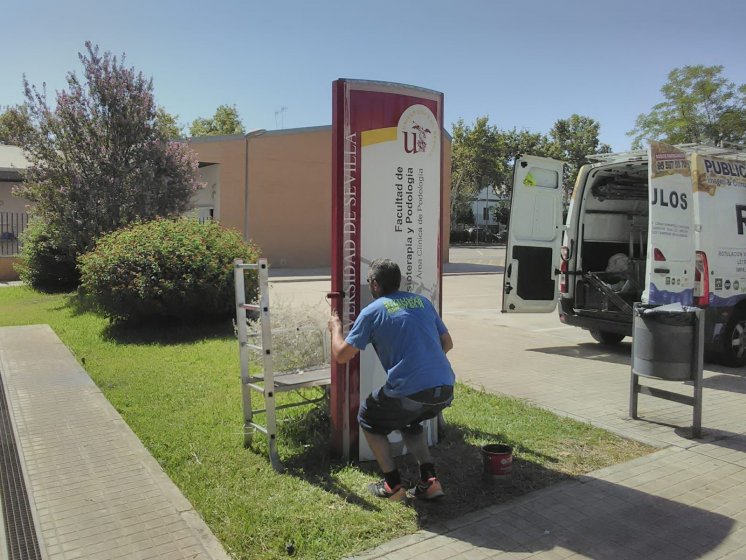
665,342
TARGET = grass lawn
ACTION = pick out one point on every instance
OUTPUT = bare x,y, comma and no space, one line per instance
178,388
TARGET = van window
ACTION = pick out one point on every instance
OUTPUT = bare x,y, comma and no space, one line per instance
544,178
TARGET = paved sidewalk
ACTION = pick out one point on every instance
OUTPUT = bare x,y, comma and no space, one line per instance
97,492
686,501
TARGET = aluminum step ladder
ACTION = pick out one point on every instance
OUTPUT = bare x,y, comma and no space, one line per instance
612,296
268,383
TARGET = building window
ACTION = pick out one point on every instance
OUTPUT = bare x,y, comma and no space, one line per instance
486,213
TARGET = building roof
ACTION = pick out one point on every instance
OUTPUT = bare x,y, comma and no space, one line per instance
12,162
11,157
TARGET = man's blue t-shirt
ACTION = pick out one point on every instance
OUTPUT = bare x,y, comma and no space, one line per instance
405,331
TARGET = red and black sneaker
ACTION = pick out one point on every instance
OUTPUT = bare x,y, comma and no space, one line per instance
429,489
381,489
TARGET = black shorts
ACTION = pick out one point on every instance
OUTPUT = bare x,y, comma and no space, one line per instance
382,414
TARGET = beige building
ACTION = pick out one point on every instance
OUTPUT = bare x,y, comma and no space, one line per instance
274,187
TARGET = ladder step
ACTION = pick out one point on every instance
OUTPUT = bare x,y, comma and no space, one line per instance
250,306
253,346
256,387
259,427
249,266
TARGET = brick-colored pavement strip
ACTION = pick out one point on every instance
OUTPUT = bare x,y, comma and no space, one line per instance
97,492
686,501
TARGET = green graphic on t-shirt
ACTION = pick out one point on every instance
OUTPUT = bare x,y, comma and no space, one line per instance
394,305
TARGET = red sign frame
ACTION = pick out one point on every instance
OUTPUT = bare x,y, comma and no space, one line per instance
360,106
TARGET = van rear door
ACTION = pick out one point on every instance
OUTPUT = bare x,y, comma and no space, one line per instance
534,236
671,252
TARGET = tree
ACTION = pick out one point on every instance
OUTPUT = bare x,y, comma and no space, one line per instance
99,158
483,155
472,166
575,138
168,124
225,121
699,106
15,124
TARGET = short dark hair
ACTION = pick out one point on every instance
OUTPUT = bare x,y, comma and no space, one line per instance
386,272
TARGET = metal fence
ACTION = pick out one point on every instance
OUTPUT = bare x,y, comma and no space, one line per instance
12,225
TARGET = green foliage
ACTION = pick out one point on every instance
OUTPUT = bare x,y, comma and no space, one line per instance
166,269
575,138
501,212
483,155
699,106
464,215
226,120
475,163
46,263
15,124
168,124
99,158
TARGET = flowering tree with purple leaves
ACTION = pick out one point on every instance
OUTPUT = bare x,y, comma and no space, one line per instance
100,159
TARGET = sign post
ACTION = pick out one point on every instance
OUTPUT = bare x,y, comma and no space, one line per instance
386,203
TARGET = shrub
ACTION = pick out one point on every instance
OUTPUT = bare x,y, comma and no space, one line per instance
166,269
459,236
46,263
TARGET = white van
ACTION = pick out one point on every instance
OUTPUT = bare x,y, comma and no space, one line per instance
659,226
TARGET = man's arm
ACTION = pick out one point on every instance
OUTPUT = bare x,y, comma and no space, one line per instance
342,352
446,342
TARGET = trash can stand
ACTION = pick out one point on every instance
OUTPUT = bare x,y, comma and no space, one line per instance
697,361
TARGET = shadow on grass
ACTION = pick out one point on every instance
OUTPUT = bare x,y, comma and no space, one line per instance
168,332
163,332
459,463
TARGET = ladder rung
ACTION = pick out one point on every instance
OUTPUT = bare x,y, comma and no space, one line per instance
259,427
248,266
250,306
256,387
253,346
290,405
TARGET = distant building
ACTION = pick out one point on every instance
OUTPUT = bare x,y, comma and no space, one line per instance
483,207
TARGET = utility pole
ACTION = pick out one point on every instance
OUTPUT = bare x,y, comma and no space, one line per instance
281,113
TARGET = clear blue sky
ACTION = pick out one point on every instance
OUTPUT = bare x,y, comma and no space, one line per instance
524,64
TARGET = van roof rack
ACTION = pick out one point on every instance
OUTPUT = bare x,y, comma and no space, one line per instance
731,150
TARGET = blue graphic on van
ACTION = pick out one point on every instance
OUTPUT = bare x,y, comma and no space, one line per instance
717,301
662,297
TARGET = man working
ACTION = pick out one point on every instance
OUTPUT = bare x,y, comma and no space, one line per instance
411,342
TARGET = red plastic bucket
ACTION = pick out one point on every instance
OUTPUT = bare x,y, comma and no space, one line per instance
498,460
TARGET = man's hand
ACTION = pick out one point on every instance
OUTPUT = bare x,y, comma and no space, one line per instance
334,323
341,351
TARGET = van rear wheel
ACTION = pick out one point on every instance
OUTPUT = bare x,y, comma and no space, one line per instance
734,351
607,338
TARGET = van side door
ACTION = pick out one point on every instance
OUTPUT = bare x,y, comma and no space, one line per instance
534,236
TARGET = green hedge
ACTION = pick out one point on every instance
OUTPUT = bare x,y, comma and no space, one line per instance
47,262
166,269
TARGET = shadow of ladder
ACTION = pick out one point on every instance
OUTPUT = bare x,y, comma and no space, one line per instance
268,383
